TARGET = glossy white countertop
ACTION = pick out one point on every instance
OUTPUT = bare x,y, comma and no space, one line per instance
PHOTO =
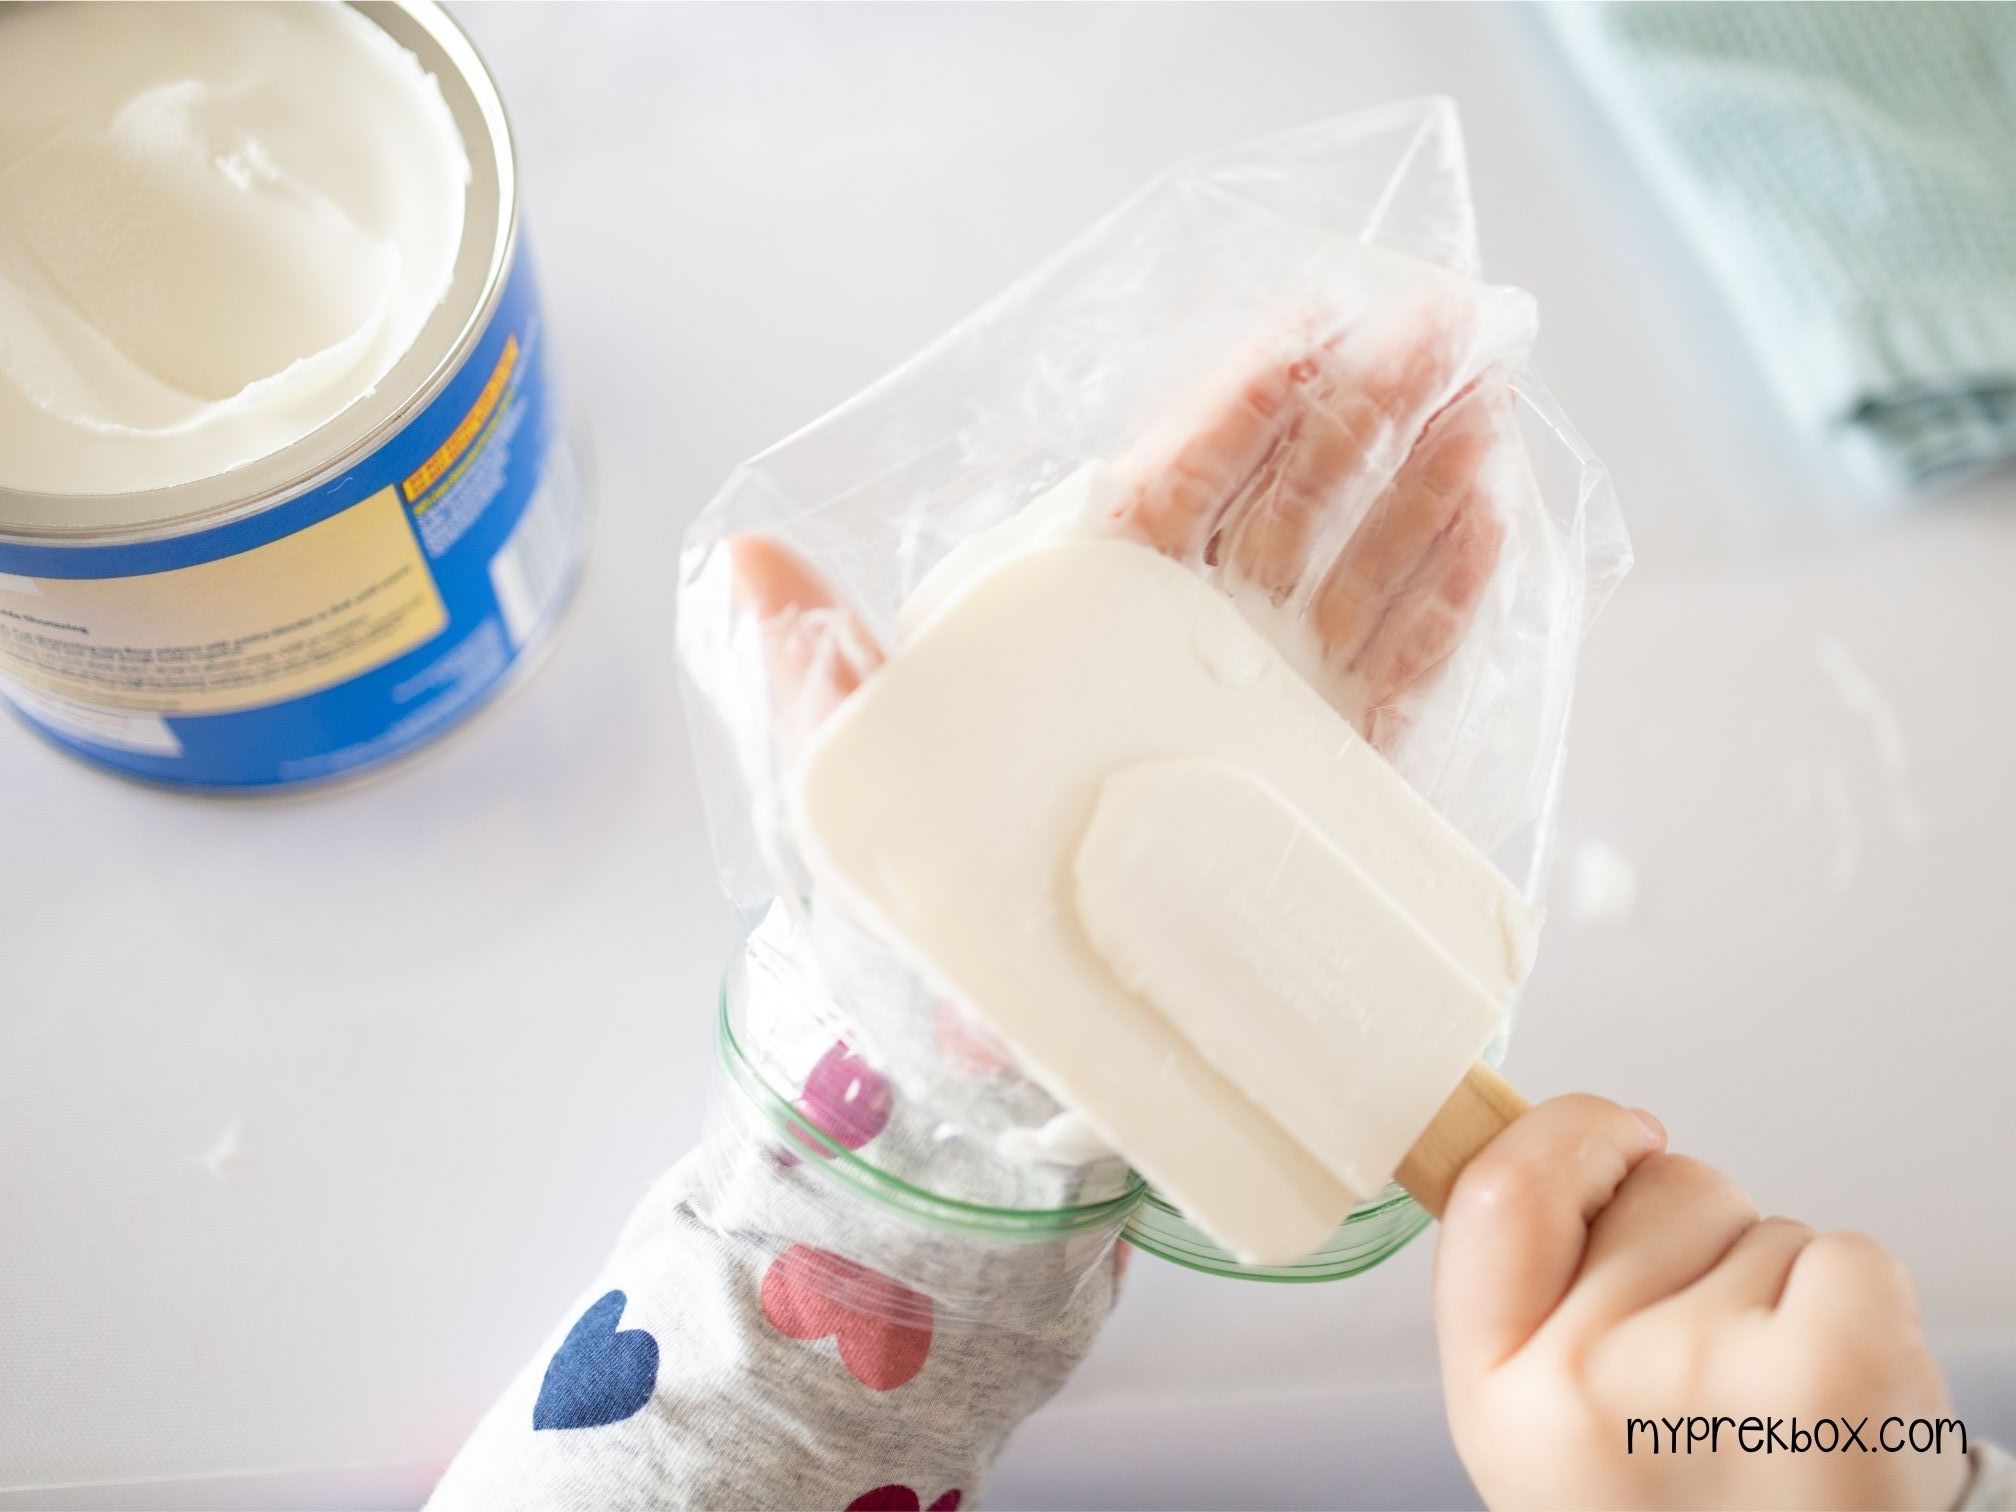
461,1016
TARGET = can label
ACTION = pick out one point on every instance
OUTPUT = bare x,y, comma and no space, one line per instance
337,629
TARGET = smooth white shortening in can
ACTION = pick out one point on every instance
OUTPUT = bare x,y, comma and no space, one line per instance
220,226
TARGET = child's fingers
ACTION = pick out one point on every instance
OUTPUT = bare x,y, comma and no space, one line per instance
1351,420
773,581
1429,619
1389,548
1848,1276
1671,1221
1518,1219
816,649
1261,474
1181,477
1753,1273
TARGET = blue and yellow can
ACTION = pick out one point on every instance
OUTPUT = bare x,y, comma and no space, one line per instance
342,602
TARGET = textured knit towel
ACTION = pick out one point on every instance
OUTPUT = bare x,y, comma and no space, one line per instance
1849,171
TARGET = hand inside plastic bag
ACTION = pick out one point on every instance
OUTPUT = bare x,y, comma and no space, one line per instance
1355,487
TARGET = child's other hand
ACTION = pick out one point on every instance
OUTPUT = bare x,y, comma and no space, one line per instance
1259,477
1585,1278
1353,475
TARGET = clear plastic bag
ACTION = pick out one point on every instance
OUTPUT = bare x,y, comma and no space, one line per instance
1348,239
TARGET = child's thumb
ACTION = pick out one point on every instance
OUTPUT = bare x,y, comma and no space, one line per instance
1518,1219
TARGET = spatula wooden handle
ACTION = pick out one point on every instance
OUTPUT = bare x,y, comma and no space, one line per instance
1482,1104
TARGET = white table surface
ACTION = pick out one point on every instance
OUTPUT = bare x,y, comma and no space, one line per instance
462,1016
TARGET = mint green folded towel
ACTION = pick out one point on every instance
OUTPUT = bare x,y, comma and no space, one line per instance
1849,171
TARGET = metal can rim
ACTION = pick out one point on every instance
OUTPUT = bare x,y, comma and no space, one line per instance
483,264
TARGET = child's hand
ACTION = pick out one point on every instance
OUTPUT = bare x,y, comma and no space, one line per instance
1586,1278
1353,479
1357,484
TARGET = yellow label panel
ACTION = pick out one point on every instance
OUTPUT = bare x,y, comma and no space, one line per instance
448,452
292,617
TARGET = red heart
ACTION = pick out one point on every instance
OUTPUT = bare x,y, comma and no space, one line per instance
900,1499
882,1327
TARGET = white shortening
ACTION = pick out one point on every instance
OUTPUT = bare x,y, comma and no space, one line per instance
220,226
1090,800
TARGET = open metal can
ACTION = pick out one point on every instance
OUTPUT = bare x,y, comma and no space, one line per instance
342,601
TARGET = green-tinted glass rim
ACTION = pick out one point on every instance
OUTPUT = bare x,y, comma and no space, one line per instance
1404,1219
1391,1198
880,1185
1369,1235
1307,1273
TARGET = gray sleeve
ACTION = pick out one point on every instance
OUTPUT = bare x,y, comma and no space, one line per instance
1993,1486
719,1366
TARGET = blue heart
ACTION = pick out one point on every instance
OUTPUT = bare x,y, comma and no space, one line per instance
598,1375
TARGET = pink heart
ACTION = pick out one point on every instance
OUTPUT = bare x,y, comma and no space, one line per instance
882,1327
845,1099
900,1499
